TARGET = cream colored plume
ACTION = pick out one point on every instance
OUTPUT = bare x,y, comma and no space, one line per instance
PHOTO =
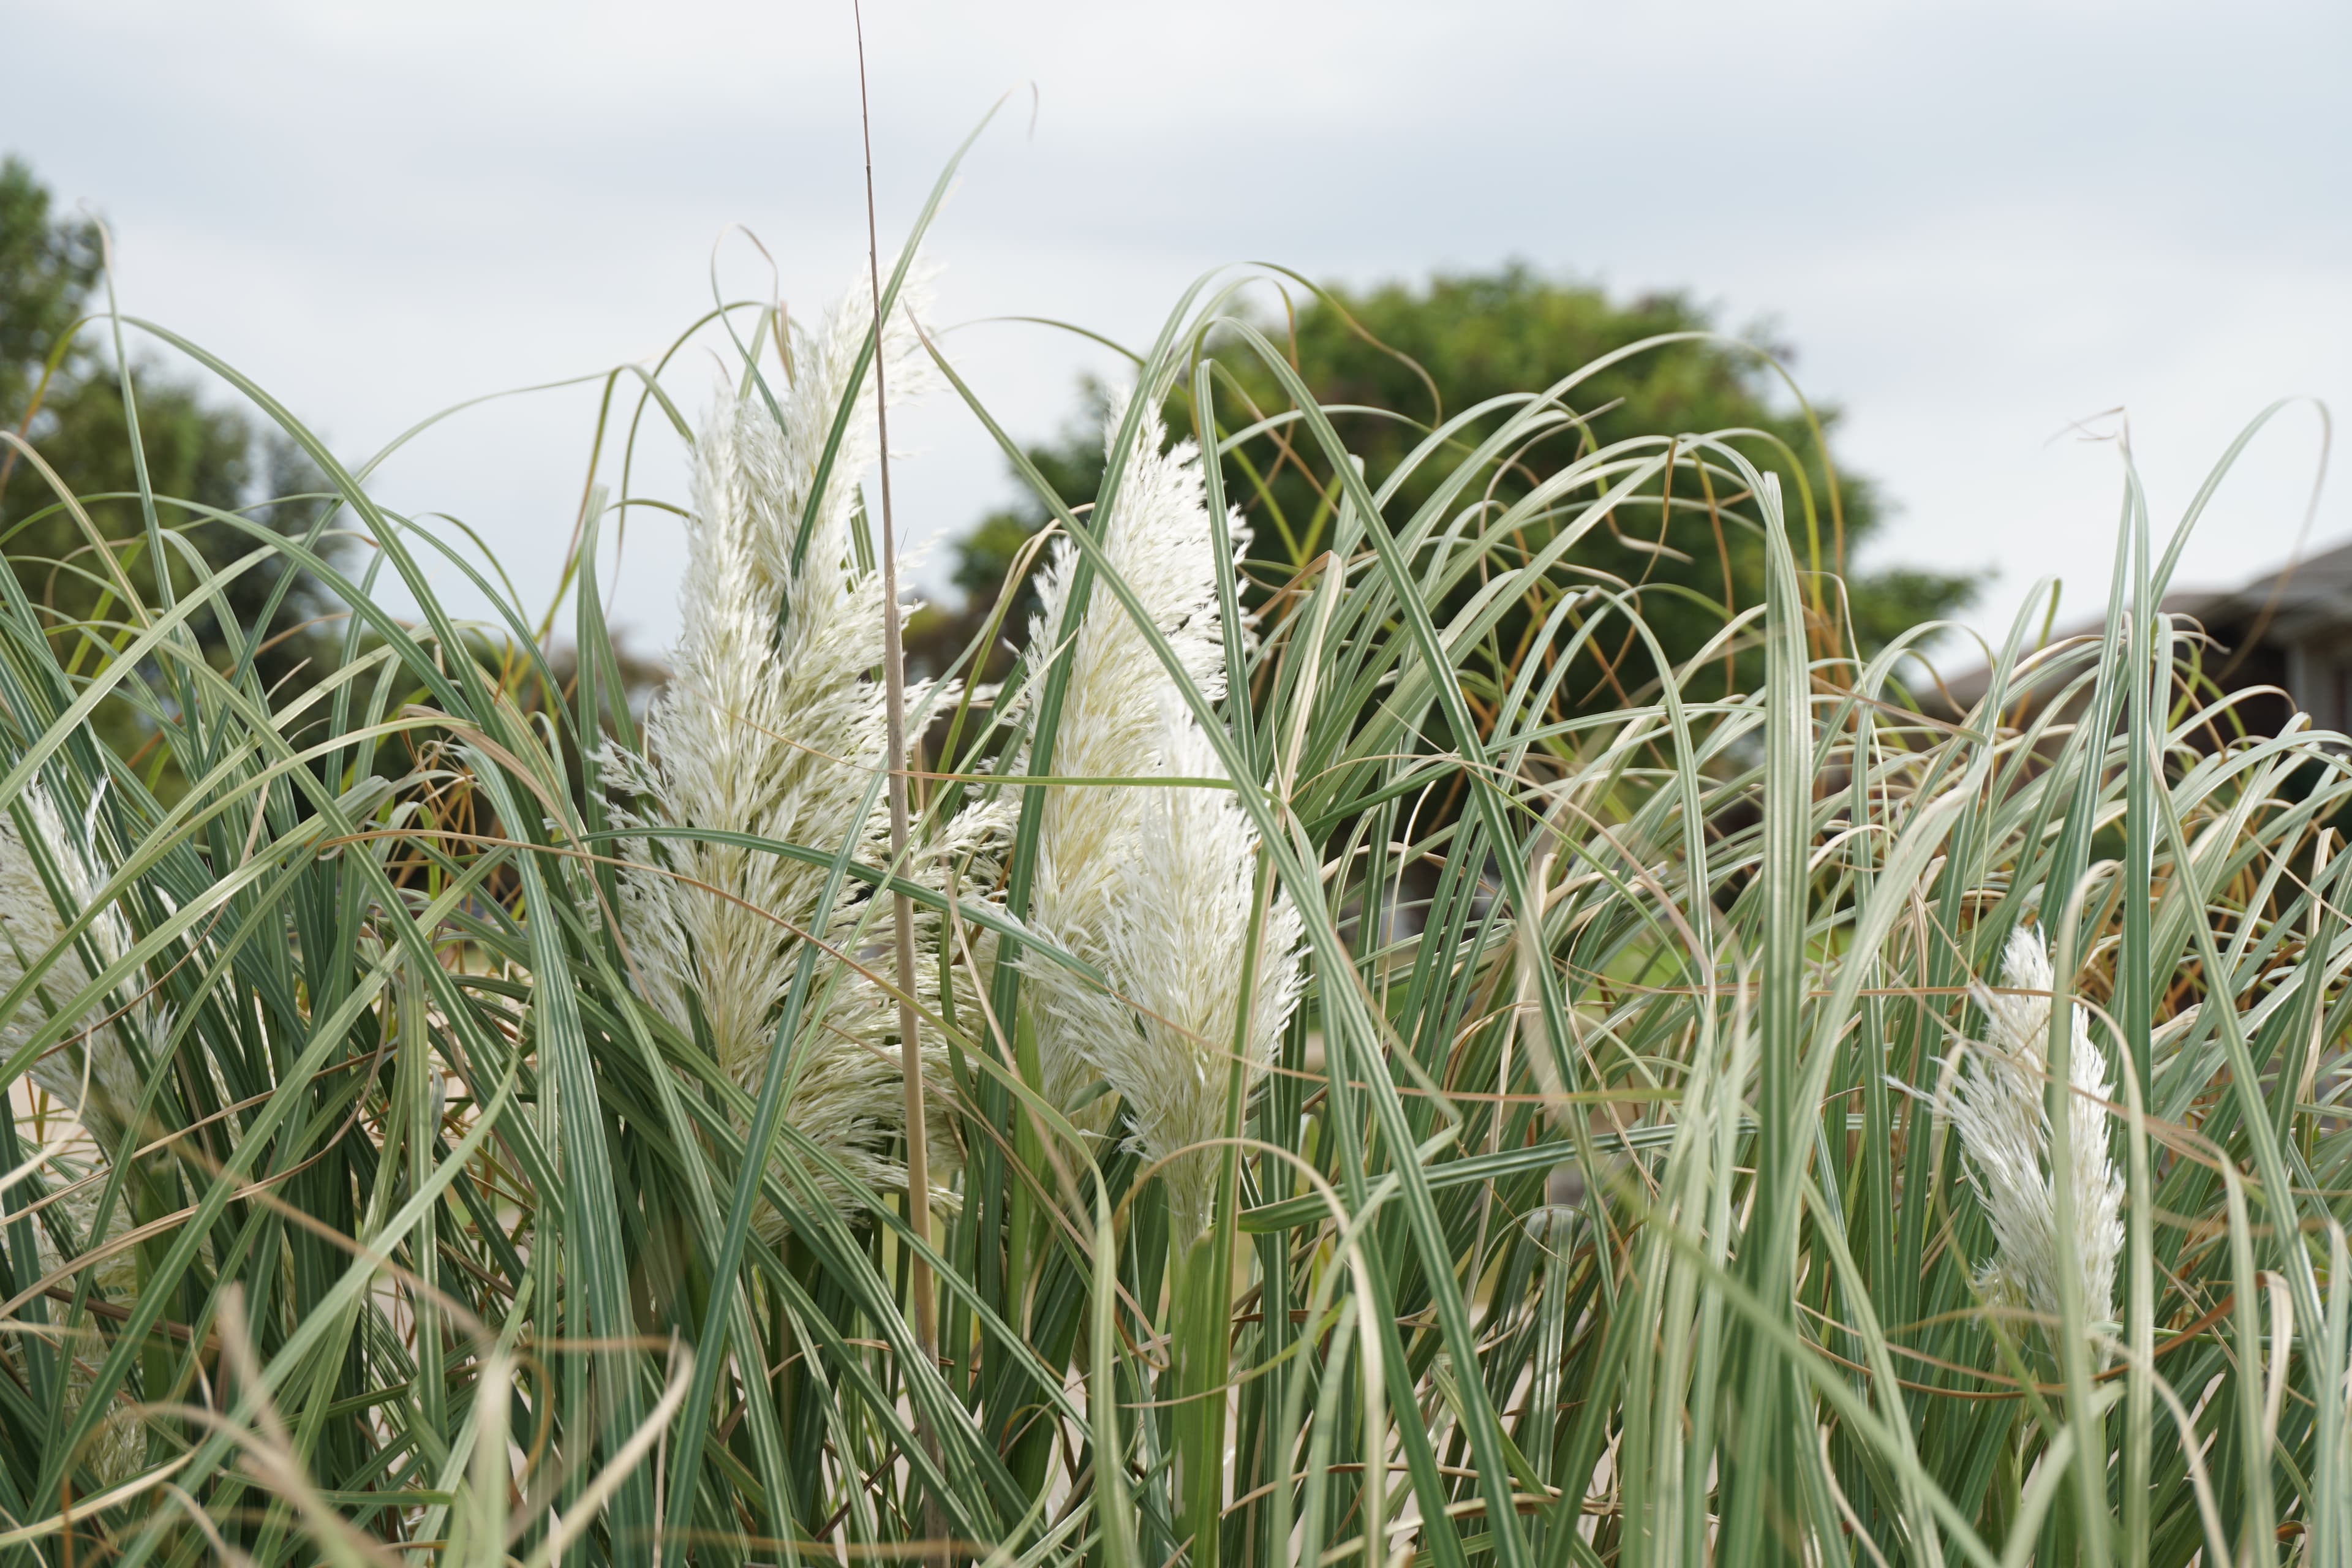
1157,538
1150,887
2001,1113
772,725
90,1072
1177,938
116,1450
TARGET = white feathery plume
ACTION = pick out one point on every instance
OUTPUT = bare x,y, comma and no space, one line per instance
116,1450
91,1070
1158,538
1152,887
772,725
2001,1111
1178,936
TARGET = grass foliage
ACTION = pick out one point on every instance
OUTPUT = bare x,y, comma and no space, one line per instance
1595,1206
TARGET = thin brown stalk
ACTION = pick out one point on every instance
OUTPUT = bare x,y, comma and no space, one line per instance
894,678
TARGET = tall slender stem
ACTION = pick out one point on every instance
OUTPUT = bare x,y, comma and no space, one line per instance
894,678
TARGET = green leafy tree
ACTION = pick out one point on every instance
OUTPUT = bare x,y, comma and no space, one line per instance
1421,355
67,400
48,267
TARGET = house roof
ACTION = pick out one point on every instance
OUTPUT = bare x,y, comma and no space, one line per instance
2298,598
2289,603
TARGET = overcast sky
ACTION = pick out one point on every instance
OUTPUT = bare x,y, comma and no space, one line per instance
1984,228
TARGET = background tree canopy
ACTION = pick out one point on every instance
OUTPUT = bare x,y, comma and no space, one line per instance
60,392
1432,352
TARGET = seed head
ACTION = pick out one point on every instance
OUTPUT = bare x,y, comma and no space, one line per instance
1152,887
90,1072
2001,1111
772,726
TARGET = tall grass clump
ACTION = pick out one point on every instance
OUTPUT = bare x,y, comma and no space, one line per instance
1382,1107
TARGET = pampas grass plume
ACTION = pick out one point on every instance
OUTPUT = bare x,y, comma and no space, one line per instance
1154,888
2000,1111
772,726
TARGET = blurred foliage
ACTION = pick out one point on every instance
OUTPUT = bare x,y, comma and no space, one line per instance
66,397
1422,355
